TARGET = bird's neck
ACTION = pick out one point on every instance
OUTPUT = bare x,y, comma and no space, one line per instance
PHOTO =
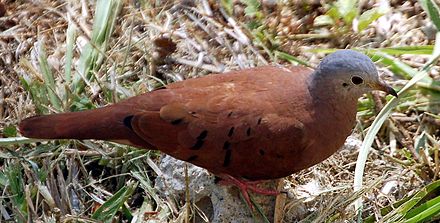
329,98
325,89
334,118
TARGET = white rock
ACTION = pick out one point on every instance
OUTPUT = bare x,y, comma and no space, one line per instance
225,203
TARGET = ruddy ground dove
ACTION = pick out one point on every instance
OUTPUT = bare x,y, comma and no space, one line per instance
259,123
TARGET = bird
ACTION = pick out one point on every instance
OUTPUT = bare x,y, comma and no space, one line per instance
244,126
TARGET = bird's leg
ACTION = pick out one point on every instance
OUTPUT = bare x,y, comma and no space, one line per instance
245,186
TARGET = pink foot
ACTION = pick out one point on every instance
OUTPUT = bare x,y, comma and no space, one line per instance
245,186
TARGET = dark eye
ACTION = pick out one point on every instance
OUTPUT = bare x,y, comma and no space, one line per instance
357,80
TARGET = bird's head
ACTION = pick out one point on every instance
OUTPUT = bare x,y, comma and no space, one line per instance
351,74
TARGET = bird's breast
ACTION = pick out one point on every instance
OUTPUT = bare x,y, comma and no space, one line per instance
327,131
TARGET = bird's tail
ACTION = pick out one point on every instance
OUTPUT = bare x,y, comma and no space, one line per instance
108,123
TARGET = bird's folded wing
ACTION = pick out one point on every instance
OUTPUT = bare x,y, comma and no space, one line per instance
216,123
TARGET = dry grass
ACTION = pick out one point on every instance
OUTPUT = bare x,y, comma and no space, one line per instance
69,181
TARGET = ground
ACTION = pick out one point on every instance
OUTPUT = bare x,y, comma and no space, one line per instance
47,66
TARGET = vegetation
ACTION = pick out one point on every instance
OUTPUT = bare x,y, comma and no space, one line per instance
73,56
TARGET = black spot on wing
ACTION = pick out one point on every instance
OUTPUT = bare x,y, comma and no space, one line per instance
259,121
248,131
127,121
177,121
228,157
261,151
202,135
192,158
200,140
198,145
231,131
227,145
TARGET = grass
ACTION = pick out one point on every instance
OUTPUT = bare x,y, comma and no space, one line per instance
75,64
380,119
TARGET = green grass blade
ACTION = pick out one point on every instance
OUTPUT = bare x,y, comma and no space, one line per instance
228,5
18,140
394,64
93,54
366,144
290,58
348,9
35,88
403,69
381,117
424,211
415,50
109,208
252,7
368,17
400,212
15,185
384,211
70,40
433,11
49,80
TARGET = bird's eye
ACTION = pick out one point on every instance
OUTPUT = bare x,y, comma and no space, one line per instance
357,80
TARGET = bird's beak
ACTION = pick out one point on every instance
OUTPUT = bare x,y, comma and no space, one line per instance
382,86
